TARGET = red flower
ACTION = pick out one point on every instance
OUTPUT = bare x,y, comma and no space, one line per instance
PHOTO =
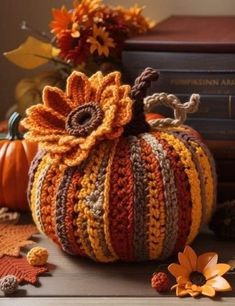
72,49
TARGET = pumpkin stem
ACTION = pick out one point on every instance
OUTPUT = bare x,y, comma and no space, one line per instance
13,127
138,123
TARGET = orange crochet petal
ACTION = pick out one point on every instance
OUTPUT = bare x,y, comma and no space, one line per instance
109,97
116,132
206,260
192,257
219,269
78,89
219,284
42,118
56,99
13,237
112,79
21,269
124,113
177,270
95,81
208,290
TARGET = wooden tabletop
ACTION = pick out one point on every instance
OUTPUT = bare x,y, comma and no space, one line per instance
79,281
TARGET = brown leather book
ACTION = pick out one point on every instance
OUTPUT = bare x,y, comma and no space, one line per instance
214,34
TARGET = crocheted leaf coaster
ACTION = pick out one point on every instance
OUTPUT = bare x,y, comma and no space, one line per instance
21,269
8,217
13,237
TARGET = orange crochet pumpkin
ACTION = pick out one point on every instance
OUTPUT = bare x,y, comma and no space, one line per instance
16,155
109,185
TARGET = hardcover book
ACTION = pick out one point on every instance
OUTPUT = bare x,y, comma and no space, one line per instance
192,54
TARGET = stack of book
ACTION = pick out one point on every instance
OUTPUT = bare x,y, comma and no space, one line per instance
195,55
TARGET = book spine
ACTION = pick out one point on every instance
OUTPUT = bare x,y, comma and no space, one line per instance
211,106
185,72
213,129
138,60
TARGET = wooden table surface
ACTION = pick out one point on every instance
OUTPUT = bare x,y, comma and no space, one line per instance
77,281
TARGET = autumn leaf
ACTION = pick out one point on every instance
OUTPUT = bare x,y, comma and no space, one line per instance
20,267
13,237
32,53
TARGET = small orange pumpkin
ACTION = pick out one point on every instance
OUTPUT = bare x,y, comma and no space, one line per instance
16,155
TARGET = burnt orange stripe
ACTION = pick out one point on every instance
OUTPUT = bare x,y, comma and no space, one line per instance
183,195
121,212
70,216
48,202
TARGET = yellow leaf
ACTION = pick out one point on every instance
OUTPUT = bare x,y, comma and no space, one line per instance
31,54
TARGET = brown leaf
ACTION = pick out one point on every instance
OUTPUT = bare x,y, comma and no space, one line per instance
13,237
20,267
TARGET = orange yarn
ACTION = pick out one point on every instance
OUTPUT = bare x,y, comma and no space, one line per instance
47,123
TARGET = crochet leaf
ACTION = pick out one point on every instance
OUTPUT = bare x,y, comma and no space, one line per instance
22,270
13,237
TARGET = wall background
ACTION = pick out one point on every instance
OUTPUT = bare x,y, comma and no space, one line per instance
37,14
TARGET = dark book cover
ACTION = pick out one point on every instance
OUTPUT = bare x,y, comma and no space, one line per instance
214,129
211,107
213,34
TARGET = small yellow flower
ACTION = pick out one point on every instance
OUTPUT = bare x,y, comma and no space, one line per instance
100,41
69,124
199,274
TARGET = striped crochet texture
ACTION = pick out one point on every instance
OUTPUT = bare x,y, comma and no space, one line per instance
112,196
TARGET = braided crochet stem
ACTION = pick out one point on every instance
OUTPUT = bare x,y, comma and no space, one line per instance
138,124
180,109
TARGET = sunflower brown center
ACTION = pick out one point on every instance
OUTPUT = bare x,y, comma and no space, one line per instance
84,119
197,278
100,40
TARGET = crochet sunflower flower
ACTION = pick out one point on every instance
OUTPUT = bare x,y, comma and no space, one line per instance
69,124
199,275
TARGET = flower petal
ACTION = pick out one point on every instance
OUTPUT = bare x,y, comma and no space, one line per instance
182,280
218,269
95,81
78,88
113,78
109,97
192,257
124,113
208,290
206,260
219,284
181,291
43,119
184,261
177,270
55,99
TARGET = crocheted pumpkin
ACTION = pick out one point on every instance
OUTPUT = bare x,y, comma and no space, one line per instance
109,185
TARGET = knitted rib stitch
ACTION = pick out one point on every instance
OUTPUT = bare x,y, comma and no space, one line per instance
109,185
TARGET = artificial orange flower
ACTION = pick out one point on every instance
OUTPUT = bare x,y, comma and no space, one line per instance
69,124
199,274
84,11
135,20
62,20
100,41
